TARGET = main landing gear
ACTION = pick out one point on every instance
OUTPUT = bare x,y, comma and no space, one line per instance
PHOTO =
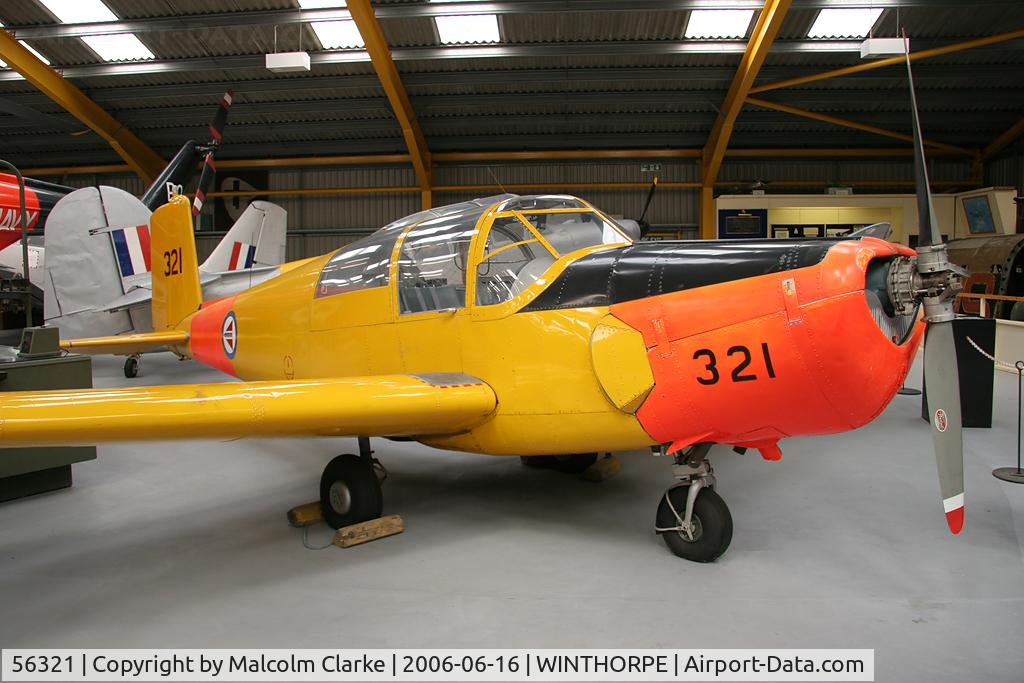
692,519
350,489
131,367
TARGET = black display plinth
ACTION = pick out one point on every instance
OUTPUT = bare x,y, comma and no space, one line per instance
975,370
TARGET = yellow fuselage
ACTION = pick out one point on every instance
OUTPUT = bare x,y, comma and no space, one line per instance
539,364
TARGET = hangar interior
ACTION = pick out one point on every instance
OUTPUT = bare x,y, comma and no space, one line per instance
734,107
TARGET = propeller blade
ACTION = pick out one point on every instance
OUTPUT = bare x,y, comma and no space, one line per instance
942,386
650,196
927,227
221,117
205,181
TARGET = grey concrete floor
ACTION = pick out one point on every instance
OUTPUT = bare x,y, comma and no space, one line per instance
841,544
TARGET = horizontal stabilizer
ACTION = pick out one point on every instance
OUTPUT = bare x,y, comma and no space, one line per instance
385,405
125,344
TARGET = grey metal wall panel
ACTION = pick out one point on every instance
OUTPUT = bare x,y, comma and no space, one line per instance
1007,172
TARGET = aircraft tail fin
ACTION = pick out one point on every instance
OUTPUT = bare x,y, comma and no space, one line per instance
176,290
256,239
176,175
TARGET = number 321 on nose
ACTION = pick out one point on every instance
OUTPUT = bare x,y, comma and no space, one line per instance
737,365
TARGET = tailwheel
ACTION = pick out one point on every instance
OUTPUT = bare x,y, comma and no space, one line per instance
709,531
570,464
131,367
350,491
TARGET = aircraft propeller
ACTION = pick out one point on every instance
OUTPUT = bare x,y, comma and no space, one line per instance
209,168
645,227
934,282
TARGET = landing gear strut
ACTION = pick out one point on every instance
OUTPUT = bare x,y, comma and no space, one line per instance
131,367
350,489
692,519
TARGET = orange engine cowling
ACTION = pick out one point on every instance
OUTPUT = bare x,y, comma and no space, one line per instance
804,351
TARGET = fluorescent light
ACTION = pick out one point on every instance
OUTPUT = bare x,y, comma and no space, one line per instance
121,47
468,28
844,23
318,4
79,11
718,23
335,34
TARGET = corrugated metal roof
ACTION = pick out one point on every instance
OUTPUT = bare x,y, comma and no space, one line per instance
560,99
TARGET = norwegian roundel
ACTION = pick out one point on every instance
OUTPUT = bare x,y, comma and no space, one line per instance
229,334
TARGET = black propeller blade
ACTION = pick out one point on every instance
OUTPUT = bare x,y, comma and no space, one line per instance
645,227
209,168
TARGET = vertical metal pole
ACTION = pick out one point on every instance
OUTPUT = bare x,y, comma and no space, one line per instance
1020,376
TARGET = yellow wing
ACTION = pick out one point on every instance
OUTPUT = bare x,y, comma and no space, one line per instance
126,344
386,405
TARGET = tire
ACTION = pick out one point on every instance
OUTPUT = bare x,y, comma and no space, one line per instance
1017,312
710,512
131,367
349,492
570,464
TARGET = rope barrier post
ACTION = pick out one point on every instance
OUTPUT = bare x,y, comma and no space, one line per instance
1014,475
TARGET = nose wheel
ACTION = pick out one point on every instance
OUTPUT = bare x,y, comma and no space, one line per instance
692,518
131,367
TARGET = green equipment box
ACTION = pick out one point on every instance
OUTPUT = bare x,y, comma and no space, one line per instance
38,363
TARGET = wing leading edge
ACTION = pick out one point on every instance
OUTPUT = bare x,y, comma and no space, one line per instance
385,405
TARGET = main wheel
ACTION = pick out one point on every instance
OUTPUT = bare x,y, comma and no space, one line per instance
131,367
711,519
570,464
349,492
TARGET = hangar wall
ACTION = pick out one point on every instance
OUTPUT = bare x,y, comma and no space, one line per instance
1007,171
319,223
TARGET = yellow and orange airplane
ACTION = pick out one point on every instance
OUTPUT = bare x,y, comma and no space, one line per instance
527,325
536,326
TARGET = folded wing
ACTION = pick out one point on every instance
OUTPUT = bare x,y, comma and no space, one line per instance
384,405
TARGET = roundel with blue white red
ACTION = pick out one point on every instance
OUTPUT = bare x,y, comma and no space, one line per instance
229,334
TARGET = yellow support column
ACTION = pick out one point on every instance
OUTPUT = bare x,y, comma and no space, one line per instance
143,160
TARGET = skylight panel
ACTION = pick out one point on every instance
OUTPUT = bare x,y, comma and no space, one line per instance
320,4
468,28
120,47
3,64
718,23
333,34
79,11
844,23
34,51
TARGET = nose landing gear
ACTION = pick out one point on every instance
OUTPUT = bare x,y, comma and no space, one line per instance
692,519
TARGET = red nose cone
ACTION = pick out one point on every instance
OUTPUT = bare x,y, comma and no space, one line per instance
955,520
